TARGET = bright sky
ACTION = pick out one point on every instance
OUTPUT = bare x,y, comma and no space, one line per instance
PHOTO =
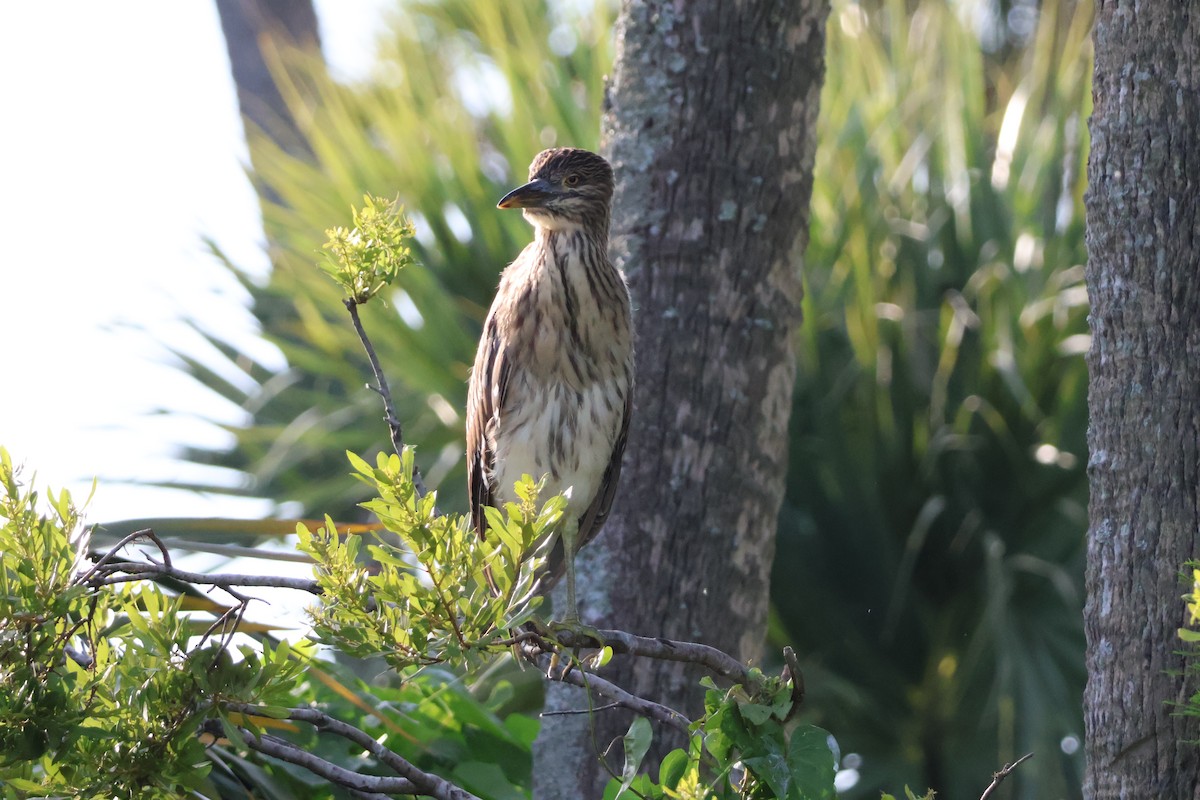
120,150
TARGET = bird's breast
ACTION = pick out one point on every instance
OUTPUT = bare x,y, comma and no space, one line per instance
566,433
571,362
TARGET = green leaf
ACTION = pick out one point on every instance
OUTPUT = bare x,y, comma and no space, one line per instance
771,766
274,712
24,785
754,713
233,734
603,657
637,742
812,763
672,768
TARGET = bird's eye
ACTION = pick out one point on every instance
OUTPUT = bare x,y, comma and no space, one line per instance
571,180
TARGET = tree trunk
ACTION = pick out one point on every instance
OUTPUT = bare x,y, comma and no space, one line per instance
251,27
1143,252
711,130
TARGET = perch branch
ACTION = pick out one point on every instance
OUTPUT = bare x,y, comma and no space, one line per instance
718,661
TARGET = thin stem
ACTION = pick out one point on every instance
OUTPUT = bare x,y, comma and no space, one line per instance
381,388
145,533
997,777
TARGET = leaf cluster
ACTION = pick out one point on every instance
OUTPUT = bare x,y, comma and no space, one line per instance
432,592
369,255
105,687
746,746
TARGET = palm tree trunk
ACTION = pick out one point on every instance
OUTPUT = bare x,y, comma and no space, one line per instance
711,131
1143,218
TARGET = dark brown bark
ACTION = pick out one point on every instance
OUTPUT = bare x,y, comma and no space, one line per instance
711,132
252,27
1143,241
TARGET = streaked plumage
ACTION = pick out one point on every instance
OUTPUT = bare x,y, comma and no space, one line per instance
551,389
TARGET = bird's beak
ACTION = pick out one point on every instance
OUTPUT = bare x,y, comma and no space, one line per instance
532,195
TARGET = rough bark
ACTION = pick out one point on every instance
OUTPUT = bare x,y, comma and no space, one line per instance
250,27
711,132
1143,242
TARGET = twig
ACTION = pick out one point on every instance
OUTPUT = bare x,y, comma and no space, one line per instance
647,708
793,674
238,613
137,572
997,777
521,637
424,782
570,712
393,421
145,533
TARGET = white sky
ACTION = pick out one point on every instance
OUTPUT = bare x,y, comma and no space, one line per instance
120,149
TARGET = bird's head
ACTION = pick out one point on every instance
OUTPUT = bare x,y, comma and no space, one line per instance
567,188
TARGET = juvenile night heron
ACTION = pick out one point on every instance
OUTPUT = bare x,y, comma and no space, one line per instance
552,386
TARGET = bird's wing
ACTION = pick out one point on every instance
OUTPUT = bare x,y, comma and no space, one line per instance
485,398
593,518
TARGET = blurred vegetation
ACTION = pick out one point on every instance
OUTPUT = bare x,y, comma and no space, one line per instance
930,558
929,566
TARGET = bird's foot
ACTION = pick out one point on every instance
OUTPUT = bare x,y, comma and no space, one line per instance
569,634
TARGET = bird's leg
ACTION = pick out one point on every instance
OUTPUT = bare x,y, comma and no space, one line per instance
570,534
570,631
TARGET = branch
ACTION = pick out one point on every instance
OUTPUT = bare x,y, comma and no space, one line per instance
639,705
137,572
716,660
997,777
145,533
792,673
374,785
393,421
424,782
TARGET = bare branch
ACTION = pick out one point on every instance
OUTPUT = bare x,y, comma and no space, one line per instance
570,712
792,674
639,705
381,388
135,572
997,777
716,660
145,533
285,751
425,782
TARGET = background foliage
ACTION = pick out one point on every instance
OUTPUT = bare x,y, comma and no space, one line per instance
937,492
930,551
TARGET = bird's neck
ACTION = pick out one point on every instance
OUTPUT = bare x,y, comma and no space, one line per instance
547,233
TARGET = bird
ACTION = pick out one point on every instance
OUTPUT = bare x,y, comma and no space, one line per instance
551,389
